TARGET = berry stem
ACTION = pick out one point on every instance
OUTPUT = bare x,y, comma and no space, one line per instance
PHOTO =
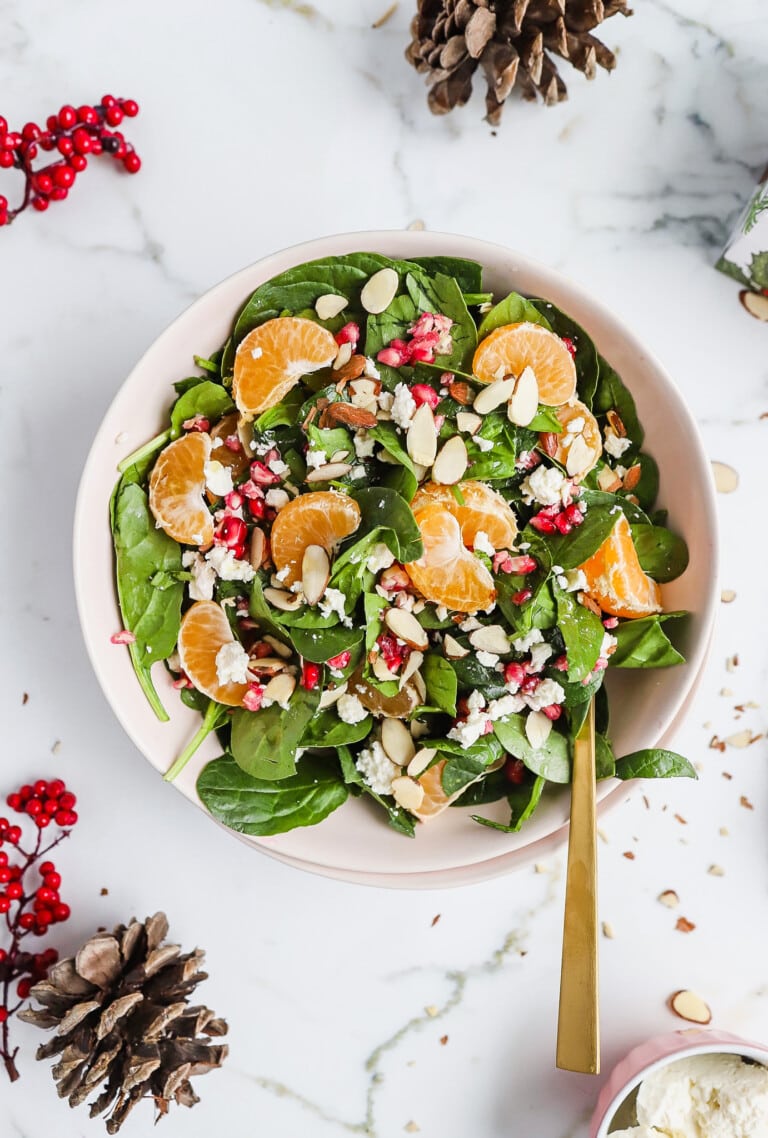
214,715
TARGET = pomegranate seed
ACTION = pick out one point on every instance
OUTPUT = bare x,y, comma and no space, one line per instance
514,769
232,442
340,661
561,664
521,565
514,674
391,651
349,334
423,393
253,697
569,344
196,423
488,729
574,515
234,500
542,523
522,596
123,637
528,460
310,676
529,684
562,525
609,623
553,711
422,353
232,532
262,475
391,357
183,682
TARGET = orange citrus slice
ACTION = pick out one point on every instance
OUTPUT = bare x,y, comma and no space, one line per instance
512,348
323,517
272,358
204,630
435,799
484,510
574,413
446,573
176,488
615,578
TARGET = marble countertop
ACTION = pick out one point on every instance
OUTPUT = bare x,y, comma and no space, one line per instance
352,1010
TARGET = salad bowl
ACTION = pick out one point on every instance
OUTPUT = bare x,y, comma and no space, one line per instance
352,843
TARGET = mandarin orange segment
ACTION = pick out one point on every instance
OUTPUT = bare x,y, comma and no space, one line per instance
323,517
512,348
577,414
272,358
176,488
615,578
435,799
484,510
204,630
447,573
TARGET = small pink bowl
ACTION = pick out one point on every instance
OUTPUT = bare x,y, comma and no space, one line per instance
659,1052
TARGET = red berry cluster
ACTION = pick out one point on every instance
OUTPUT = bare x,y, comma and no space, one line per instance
29,907
75,134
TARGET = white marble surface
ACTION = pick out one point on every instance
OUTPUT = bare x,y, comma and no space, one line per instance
351,1010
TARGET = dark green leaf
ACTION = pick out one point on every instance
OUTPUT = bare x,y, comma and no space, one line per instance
523,800
643,643
654,763
663,555
582,632
552,761
325,729
513,309
264,742
440,679
207,398
586,359
471,675
605,760
468,274
283,414
321,644
399,819
383,507
262,807
612,393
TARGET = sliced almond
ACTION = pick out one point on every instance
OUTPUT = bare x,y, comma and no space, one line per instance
266,665
420,470
537,728
343,356
421,440
364,387
548,441
258,547
739,739
406,627
280,649
580,457
421,761
338,456
411,666
331,696
490,638
608,480
280,689
468,422
315,572
461,392
669,898
419,686
690,1007
282,599
726,478
397,741
381,671
616,422
450,466
494,395
755,303
408,793
633,476
453,649
379,291
727,596
327,473
330,305
524,402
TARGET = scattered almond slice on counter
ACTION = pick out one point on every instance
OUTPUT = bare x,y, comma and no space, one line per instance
726,478
432,1010
755,303
669,898
732,663
412,1127
740,739
683,925
716,871
688,1006
608,930
727,596
744,801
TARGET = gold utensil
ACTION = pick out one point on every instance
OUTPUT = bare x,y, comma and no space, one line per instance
578,1026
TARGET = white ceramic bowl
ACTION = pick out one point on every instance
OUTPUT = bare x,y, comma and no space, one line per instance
659,1052
354,843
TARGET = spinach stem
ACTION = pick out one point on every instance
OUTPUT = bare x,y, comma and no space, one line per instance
145,679
144,451
210,718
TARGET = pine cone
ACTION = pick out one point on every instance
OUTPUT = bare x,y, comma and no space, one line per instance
121,1014
513,41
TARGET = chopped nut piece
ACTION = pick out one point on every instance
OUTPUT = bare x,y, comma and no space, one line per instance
432,1010
616,422
726,478
683,925
727,595
732,663
435,919
608,930
669,898
744,801
724,832
629,855
739,739
412,1127
688,1006
679,818
716,871
443,1040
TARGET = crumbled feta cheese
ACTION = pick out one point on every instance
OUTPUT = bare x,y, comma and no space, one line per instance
576,426
371,371
218,478
350,710
608,643
476,700
357,472
507,705
203,576
385,400
487,659
543,485
441,612
227,566
615,446
468,625
572,580
216,443
333,601
546,693
523,643
471,729
232,663
283,573
403,407
540,653
364,446
278,467
315,458
377,768
483,444
483,543
277,498
620,471
380,557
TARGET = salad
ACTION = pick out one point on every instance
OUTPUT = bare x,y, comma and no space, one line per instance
393,536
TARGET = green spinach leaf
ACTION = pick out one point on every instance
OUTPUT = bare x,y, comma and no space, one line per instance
320,644
662,554
611,393
643,643
441,682
523,800
513,309
207,398
582,632
552,761
326,730
382,507
264,742
654,763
